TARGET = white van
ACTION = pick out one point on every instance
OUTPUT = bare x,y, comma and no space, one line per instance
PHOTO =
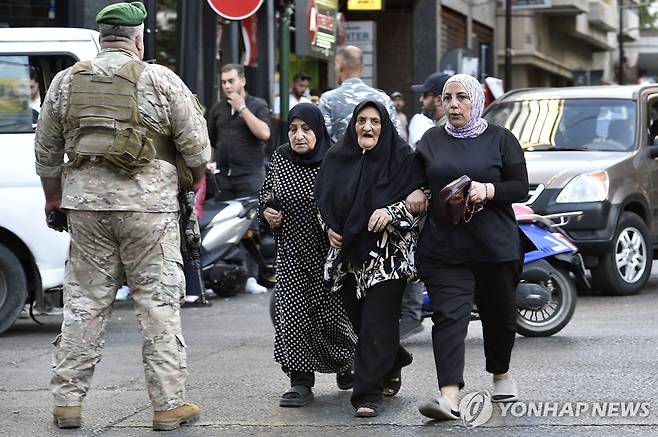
31,255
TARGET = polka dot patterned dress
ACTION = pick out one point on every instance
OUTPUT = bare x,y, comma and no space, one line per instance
312,331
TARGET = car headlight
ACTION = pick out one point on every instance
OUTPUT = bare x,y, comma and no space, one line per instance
588,187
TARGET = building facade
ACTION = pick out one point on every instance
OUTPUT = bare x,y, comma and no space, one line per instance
566,42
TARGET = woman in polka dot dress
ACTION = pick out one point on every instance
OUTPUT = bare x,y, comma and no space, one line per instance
312,330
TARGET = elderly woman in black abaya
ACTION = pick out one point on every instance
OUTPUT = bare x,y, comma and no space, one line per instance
360,193
312,330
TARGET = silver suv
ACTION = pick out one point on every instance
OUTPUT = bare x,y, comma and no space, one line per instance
593,149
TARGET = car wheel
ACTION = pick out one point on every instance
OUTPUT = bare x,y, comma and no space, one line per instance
626,267
13,288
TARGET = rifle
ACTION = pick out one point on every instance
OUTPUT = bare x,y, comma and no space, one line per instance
191,236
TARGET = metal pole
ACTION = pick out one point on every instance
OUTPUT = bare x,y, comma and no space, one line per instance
270,51
209,55
180,37
150,30
284,65
620,38
234,31
190,45
508,45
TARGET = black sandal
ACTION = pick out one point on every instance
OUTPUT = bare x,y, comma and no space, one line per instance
372,413
392,383
297,396
345,380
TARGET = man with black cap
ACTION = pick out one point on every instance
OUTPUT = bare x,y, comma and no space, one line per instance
125,126
432,113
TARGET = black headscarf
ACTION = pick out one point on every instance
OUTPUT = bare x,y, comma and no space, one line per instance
312,116
352,183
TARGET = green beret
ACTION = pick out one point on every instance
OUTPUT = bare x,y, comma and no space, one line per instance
122,14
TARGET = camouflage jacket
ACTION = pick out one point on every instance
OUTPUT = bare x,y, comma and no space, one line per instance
165,103
338,104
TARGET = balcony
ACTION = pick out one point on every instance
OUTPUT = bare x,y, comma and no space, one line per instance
631,25
562,7
602,16
582,28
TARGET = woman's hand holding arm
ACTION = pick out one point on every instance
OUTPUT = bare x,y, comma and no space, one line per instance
416,202
379,219
334,239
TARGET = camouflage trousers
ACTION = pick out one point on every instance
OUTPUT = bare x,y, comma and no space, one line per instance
106,248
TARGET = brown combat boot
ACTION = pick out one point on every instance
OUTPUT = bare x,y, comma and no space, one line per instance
172,419
67,417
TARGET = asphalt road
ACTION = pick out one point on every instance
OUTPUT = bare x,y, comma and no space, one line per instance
606,356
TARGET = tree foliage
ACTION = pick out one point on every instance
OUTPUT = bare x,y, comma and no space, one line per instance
648,16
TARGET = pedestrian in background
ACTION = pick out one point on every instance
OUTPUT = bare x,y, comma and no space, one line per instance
238,128
338,104
478,261
432,112
398,102
312,330
360,191
411,320
299,93
122,210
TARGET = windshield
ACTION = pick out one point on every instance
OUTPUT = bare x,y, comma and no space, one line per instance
568,124
16,115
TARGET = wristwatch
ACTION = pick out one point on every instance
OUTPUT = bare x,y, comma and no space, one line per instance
242,108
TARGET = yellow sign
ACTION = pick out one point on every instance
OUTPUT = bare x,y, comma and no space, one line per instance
364,5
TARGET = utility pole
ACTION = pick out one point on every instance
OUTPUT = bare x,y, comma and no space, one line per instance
508,45
284,63
620,39
187,30
150,30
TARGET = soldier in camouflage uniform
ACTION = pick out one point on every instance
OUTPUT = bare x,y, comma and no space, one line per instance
338,104
124,125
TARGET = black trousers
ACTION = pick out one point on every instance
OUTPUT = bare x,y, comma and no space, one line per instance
307,379
232,187
248,185
452,289
376,319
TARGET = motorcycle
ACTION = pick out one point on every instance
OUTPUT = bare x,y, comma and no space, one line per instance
225,234
547,294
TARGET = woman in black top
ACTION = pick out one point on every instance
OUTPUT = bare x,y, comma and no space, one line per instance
478,260
312,330
360,193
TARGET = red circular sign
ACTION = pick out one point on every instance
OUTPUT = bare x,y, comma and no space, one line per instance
235,9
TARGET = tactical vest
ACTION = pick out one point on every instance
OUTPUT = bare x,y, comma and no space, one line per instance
102,120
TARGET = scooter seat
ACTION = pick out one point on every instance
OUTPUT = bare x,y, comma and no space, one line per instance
210,209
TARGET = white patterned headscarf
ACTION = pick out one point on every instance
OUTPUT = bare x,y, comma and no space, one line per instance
475,124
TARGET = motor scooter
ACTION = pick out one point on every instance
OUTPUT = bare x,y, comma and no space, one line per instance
225,235
546,295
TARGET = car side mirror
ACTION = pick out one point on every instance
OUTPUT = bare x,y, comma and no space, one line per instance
653,152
